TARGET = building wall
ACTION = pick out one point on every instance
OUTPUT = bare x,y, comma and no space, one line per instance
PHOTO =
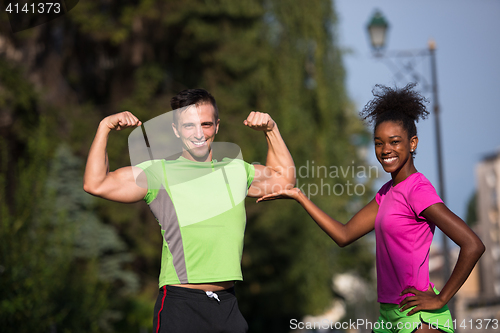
488,203
478,301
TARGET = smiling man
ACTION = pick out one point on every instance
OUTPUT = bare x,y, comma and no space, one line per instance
198,201
196,126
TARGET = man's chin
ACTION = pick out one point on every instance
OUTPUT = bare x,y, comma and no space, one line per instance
199,154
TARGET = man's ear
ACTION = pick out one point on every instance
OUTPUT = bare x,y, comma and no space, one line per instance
217,126
176,132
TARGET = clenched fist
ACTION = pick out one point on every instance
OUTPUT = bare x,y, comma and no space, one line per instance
122,120
259,121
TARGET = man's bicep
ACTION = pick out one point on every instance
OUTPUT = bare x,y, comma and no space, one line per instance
267,181
127,185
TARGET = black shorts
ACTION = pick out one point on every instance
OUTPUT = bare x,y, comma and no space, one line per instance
185,310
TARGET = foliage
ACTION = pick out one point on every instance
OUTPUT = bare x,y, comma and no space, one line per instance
289,261
57,259
40,286
279,57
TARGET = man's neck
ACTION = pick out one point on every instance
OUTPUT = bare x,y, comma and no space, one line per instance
187,155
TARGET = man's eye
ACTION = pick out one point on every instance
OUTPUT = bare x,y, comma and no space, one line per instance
378,144
395,142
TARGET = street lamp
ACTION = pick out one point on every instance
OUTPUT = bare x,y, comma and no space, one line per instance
377,28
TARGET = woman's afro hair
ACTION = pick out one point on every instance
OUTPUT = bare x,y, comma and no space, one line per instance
405,106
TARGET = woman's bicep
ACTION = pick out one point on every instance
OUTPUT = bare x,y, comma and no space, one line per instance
363,221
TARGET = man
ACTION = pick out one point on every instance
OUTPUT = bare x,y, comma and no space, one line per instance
198,202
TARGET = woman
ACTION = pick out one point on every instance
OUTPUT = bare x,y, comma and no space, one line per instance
404,214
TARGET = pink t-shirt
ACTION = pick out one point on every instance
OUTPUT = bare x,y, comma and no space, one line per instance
403,236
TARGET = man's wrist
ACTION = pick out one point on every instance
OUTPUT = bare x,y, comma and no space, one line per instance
273,132
103,127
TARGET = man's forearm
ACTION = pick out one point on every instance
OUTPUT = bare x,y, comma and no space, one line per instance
278,157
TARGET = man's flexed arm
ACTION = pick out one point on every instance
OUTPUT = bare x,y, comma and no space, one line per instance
279,171
119,185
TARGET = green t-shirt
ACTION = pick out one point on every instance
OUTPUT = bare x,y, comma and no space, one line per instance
200,207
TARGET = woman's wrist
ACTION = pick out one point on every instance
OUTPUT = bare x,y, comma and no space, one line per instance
300,197
442,300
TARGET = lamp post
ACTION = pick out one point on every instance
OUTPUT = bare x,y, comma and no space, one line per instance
377,28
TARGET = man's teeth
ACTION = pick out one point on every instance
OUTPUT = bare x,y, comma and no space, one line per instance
389,160
200,143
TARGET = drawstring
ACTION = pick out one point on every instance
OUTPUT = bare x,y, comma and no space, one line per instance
211,294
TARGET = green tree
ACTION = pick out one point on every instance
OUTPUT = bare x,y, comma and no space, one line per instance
279,57
57,260
289,261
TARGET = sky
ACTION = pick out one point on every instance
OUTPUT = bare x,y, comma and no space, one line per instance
467,39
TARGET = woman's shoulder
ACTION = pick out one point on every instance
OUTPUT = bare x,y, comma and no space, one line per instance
419,187
384,189
418,179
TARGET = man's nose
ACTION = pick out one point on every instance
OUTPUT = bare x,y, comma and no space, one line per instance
199,132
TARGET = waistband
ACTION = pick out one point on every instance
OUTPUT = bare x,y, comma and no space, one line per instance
196,294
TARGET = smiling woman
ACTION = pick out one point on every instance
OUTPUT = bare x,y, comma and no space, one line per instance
394,113
394,150
404,215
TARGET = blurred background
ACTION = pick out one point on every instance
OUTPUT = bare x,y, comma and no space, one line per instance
70,262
